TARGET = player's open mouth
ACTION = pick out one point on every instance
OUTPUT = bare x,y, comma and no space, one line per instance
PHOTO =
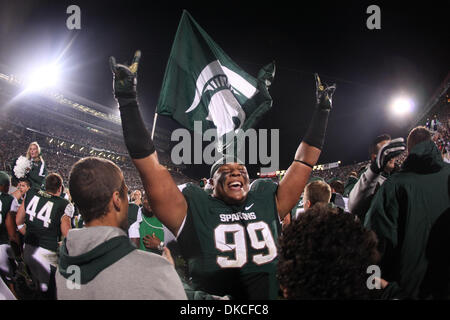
236,185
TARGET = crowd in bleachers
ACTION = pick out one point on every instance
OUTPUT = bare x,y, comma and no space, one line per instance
18,132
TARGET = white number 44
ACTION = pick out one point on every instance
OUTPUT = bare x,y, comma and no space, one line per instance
43,214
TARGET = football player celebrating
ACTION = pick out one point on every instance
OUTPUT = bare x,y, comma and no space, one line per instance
47,217
229,238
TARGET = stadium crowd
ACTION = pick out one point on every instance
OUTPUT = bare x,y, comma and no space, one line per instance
371,230
20,129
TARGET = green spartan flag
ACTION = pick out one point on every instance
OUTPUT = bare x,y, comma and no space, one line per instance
202,83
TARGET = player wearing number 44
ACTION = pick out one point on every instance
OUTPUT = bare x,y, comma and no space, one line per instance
228,238
47,217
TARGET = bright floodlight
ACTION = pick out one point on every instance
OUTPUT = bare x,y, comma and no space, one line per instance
402,106
43,77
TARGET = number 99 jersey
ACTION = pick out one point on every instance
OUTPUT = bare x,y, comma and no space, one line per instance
232,250
43,218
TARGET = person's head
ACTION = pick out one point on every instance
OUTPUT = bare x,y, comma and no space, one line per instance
34,151
203,183
376,145
353,174
99,191
5,182
417,135
324,254
136,196
23,186
337,186
316,191
230,180
53,184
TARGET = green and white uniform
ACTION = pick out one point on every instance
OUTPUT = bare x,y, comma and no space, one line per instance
232,250
7,203
298,208
43,218
43,221
37,174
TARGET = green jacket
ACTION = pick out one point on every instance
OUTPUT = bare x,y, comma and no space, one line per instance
403,213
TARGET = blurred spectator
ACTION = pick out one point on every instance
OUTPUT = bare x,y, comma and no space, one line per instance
110,266
337,190
383,152
316,191
325,254
405,210
352,179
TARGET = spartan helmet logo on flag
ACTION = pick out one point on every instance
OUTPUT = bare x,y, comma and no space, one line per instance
202,84
224,109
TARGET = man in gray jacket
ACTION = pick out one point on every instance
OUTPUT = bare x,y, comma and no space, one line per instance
99,261
383,152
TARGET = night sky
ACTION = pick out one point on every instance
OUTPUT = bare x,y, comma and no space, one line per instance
410,55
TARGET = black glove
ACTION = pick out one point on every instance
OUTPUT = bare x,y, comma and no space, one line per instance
315,135
125,79
324,94
136,136
388,151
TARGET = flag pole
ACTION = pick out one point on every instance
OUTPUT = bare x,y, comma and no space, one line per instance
154,124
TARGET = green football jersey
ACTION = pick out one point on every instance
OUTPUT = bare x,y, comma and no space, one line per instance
232,250
298,208
148,226
43,218
5,206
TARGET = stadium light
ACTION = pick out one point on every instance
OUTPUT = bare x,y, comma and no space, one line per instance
402,106
43,77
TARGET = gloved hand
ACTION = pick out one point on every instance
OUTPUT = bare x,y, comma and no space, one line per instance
125,79
315,135
324,94
388,151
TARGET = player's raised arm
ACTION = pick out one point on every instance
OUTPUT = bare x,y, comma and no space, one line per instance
308,152
168,202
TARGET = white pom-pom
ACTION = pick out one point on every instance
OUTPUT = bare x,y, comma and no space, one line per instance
23,165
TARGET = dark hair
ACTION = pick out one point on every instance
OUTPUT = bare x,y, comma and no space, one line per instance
324,254
92,183
417,135
318,191
25,180
337,185
53,182
373,149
